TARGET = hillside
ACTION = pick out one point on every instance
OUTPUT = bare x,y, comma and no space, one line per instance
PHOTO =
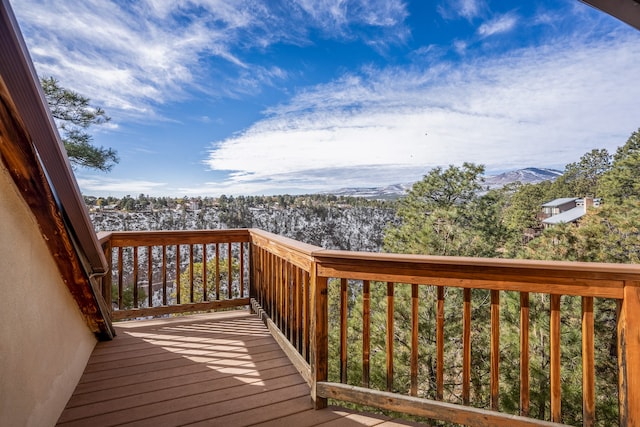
327,221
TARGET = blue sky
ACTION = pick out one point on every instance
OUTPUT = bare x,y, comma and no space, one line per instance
211,97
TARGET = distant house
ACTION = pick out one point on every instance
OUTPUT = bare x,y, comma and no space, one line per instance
566,210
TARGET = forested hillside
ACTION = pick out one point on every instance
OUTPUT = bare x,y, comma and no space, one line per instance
328,221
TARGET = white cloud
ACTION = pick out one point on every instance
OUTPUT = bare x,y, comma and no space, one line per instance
107,186
131,57
467,9
541,106
501,24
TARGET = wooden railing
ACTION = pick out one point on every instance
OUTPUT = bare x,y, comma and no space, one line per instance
170,272
306,296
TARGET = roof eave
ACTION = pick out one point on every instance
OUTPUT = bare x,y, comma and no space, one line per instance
627,11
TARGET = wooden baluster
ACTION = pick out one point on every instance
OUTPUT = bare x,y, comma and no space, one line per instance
343,330
319,335
120,273
270,285
178,290
150,274
286,298
524,354
241,270
366,332
204,273
629,355
191,273
297,311
278,284
135,277
230,275
414,340
164,275
554,350
306,322
588,360
440,344
389,336
217,271
495,350
466,346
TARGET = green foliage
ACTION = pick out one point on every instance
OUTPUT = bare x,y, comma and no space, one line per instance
127,296
621,181
217,282
581,179
74,115
444,215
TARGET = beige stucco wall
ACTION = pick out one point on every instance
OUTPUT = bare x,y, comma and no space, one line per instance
44,342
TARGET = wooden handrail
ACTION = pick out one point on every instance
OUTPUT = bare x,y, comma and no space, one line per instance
289,286
160,258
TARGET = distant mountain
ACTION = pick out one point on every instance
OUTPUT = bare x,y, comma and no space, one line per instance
525,176
378,193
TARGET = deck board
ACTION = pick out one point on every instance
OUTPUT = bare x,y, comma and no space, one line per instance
215,369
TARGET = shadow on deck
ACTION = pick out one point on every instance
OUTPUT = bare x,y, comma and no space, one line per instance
213,369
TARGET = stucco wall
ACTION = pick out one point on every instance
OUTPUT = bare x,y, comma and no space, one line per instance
44,342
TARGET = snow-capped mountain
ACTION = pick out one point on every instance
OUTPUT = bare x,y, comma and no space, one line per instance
525,176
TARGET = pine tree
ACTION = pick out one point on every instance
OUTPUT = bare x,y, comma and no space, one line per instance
74,115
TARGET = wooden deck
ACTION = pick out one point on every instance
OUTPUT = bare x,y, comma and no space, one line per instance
214,369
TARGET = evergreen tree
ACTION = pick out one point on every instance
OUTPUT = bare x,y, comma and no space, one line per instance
621,181
581,178
74,115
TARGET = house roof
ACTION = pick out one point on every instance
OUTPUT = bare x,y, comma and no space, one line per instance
559,202
571,215
36,159
20,77
627,11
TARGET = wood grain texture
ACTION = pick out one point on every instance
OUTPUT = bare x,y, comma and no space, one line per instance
629,355
466,346
524,355
588,364
554,350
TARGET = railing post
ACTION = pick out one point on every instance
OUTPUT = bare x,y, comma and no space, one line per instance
319,335
107,278
629,355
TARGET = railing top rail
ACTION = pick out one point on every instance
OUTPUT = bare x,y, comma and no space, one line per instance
173,237
567,278
292,244
623,271
298,253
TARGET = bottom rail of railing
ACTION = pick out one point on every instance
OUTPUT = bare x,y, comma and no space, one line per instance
432,409
179,309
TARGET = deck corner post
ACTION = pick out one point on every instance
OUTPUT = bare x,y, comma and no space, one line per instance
319,351
629,355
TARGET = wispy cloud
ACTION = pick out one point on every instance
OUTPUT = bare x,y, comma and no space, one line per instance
498,25
95,185
132,56
538,106
467,9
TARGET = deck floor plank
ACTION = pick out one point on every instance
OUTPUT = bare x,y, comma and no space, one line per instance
215,369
